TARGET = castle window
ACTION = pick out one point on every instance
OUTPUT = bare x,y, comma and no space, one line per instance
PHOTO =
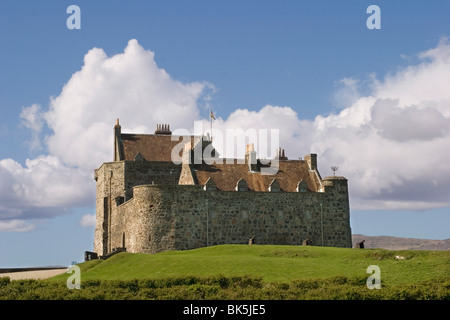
241,185
139,157
302,186
209,185
274,186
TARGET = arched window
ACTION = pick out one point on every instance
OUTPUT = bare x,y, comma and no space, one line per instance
302,186
274,186
241,185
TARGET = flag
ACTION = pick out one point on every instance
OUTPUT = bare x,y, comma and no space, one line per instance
212,116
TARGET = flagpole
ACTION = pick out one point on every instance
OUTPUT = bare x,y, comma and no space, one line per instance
210,120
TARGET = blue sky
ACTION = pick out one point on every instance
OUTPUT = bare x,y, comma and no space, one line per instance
372,101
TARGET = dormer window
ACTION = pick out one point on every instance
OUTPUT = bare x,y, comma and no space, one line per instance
209,185
241,185
274,186
302,186
139,157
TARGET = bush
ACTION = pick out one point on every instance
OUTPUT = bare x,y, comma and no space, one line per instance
380,254
220,287
306,284
247,281
4,281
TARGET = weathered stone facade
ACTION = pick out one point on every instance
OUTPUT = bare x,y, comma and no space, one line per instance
152,206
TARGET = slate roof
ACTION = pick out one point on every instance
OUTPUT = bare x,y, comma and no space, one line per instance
226,176
153,147
158,147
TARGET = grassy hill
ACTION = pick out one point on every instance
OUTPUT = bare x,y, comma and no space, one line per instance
242,272
271,263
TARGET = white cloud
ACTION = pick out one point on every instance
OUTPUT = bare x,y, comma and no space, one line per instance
425,82
45,187
346,93
129,86
251,124
32,119
411,123
87,220
15,226
391,143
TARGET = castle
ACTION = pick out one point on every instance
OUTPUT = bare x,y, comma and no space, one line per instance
148,203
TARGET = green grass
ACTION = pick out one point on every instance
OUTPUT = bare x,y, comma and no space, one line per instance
271,263
242,272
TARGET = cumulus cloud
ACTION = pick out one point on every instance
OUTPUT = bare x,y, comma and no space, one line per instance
346,92
44,187
256,126
410,123
425,82
129,86
391,142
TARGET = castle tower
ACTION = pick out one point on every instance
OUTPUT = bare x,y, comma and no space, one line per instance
338,212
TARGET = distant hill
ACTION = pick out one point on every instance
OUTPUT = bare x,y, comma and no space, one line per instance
396,243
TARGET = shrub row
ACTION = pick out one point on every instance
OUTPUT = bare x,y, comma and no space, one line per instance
223,288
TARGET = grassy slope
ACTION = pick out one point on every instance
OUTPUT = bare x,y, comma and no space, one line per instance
272,263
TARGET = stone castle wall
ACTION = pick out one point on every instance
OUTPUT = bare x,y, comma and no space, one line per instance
173,217
152,206
115,182
109,186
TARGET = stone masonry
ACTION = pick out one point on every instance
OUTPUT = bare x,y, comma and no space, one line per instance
146,203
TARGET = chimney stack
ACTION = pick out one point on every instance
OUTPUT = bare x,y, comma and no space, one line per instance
250,158
311,159
280,155
118,155
163,129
